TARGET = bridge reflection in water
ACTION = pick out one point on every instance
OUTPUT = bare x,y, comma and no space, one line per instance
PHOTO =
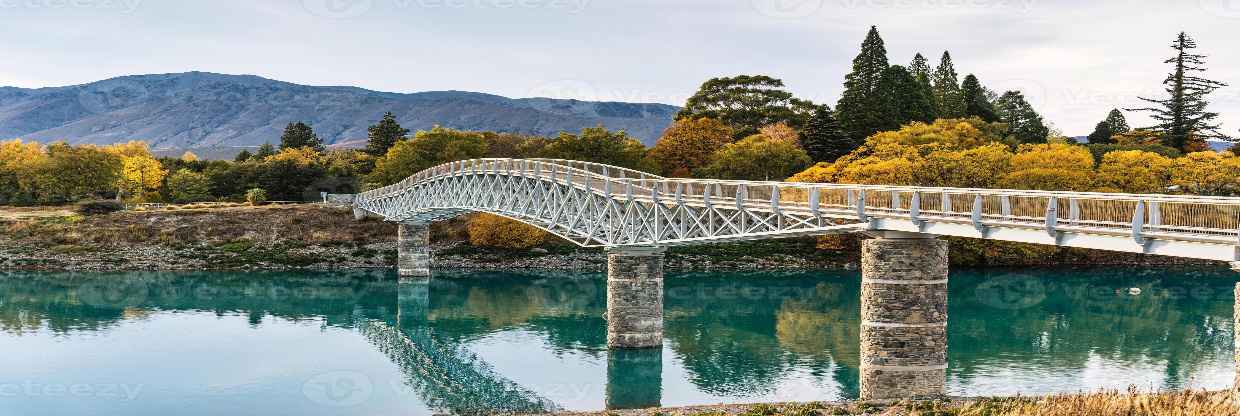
728,337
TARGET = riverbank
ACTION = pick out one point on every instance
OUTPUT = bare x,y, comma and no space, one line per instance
1184,403
317,237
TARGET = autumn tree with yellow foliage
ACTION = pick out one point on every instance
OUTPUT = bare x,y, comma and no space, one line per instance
688,144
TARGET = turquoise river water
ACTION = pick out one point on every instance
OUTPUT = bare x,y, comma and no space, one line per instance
360,343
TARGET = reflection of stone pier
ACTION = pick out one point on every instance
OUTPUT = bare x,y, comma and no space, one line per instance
634,378
413,301
903,317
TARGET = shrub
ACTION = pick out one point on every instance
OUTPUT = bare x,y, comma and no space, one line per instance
101,207
256,196
486,230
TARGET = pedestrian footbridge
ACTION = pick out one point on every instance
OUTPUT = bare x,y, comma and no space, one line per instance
606,206
636,215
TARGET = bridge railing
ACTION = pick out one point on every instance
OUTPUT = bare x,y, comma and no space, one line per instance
1216,219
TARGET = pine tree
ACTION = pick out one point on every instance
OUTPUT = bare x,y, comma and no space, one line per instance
1023,122
858,110
824,139
1102,134
1116,122
265,151
920,68
384,135
901,99
1182,116
243,156
298,135
947,89
976,103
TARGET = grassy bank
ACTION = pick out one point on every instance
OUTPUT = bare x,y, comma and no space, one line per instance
1114,403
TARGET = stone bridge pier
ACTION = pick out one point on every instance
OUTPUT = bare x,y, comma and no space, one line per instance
635,297
903,316
413,250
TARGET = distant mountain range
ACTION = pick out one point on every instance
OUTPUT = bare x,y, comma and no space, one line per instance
199,110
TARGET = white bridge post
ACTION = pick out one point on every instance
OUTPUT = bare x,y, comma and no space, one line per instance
903,316
413,251
635,297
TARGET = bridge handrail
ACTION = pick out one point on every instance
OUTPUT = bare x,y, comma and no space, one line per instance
1212,216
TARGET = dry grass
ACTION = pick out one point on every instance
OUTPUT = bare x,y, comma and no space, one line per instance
1111,403
307,224
1131,403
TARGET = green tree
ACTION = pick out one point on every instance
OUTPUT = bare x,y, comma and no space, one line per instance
298,135
186,186
72,173
597,144
756,157
746,103
947,94
426,149
291,175
823,138
243,156
264,151
1023,122
859,111
1116,121
976,102
1102,134
384,135
901,100
920,68
1182,116
688,144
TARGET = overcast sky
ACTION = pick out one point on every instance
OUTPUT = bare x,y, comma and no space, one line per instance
1074,59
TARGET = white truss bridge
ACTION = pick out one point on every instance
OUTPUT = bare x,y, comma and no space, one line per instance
597,205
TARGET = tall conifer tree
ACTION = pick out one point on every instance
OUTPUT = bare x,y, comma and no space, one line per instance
947,89
1116,122
1102,134
299,134
384,135
823,138
920,68
858,110
1182,116
901,99
976,103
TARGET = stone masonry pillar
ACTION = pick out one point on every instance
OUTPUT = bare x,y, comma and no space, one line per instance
903,316
413,250
1235,392
635,297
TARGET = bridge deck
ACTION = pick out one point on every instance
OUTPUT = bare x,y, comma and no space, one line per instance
600,205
